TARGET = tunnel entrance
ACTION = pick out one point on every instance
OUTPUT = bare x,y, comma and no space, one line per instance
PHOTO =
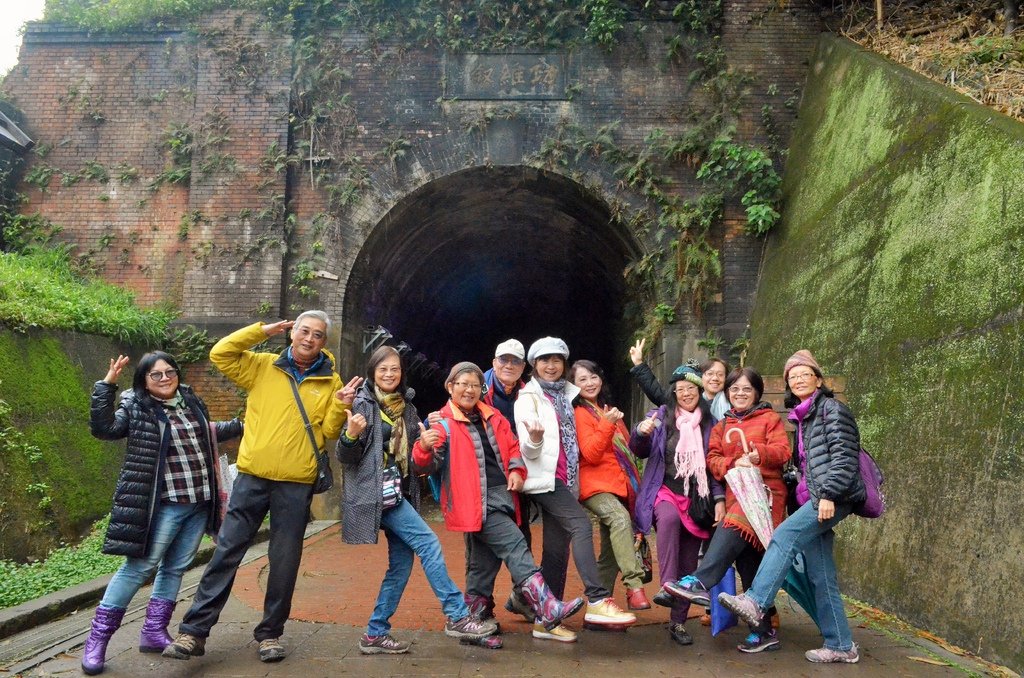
485,254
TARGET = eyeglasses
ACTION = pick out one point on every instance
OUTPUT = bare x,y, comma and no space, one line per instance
741,390
803,376
156,375
510,360
466,387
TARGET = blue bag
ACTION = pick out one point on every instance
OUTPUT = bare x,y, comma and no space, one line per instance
721,618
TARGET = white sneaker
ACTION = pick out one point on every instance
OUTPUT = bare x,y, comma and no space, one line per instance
559,633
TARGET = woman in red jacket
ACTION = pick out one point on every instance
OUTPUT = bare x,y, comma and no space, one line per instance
608,480
482,472
735,540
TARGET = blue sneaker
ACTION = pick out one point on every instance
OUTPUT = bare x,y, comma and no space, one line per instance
690,588
759,642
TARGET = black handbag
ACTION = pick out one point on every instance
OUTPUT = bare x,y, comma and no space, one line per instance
324,476
702,509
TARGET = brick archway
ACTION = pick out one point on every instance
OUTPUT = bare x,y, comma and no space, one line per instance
476,256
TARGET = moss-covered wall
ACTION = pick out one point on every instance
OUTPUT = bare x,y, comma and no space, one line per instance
55,478
899,266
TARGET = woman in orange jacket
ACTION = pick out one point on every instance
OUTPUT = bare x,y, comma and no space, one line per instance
735,540
608,480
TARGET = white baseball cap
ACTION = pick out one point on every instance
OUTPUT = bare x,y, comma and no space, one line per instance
510,347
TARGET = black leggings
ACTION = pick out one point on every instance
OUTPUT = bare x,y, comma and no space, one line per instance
728,546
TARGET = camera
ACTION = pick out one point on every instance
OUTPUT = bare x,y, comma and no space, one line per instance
790,476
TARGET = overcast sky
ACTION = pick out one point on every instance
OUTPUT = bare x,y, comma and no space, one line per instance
13,15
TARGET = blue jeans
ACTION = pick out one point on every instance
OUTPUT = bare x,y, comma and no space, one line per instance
408,534
802,532
174,537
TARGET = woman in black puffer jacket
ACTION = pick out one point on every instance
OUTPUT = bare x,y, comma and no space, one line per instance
167,493
828,448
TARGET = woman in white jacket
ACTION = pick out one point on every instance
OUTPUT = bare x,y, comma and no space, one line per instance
547,439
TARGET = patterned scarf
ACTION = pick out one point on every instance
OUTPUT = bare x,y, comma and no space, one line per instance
566,428
392,405
689,459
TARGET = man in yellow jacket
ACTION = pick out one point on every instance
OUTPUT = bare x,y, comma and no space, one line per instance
276,469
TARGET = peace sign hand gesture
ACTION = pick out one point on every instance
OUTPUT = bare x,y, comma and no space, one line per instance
636,352
347,393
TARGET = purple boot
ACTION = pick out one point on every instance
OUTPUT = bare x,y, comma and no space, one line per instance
154,636
106,621
550,611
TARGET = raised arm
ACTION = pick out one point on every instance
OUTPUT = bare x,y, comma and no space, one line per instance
644,377
232,357
105,422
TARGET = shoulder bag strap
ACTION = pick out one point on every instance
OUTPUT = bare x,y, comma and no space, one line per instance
305,419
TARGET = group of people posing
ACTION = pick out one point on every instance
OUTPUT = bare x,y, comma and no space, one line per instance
499,450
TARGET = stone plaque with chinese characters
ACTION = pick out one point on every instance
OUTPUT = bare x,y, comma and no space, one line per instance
507,76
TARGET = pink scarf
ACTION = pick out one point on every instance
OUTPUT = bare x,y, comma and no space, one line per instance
689,459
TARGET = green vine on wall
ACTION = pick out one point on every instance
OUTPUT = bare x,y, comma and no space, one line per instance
682,263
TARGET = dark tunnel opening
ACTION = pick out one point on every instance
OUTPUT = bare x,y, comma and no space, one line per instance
485,254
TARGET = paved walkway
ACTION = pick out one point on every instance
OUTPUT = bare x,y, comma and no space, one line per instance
336,591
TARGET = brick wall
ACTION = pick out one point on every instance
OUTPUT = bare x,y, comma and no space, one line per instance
215,245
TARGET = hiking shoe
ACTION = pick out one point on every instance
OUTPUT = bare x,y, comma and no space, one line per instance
636,599
470,627
516,605
680,634
663,598
382,645
689,588
743,606
185,646
824,655
605,611
271,650
759,642
559,633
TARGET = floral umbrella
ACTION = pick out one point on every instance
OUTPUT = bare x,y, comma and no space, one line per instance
751,493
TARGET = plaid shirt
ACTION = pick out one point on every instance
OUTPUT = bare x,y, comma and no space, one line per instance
186,478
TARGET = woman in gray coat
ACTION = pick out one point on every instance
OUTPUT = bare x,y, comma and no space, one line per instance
380,493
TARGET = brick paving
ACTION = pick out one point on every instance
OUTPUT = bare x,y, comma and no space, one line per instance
338,584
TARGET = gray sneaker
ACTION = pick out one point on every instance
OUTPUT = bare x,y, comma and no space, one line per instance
743,607
470,627
185,646
271,650
824,655
382,645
